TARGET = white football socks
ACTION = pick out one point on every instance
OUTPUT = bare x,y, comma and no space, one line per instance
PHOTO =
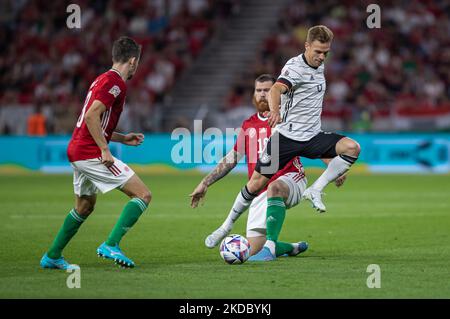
337,167
242,202
271,245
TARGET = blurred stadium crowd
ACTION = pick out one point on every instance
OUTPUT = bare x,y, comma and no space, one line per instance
401,69
46,66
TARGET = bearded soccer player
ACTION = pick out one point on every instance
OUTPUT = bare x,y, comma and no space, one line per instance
290,181
95,168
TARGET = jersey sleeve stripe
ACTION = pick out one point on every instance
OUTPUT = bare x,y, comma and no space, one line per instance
285,82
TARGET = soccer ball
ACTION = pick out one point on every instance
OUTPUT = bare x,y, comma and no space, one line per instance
234,249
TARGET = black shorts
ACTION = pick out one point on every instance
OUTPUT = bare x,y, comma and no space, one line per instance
323,145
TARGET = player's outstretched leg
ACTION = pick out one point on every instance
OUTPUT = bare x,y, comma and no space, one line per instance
348,151
53,258
141,197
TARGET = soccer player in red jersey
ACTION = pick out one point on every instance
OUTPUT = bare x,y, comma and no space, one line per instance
95,168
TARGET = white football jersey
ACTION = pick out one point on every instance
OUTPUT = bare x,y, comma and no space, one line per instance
301,105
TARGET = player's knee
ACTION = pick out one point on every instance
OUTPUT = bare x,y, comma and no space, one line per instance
85,210
275,189
146,196
351,147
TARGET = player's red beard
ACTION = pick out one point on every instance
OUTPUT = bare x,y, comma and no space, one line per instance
262,105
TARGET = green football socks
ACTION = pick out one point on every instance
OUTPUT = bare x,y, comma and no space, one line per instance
276,212
69,228
130,214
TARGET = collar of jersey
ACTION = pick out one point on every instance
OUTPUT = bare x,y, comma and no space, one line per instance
114,70
306,62
262,118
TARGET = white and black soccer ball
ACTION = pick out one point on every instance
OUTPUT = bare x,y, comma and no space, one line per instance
234,249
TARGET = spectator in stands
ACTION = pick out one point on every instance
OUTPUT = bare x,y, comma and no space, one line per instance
48,59
37,122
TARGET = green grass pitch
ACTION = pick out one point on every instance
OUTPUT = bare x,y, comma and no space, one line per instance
400,222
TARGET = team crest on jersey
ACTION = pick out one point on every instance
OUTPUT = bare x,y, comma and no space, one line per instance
286,73
115,91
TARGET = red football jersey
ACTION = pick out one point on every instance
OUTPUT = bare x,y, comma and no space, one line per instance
110,89
252,140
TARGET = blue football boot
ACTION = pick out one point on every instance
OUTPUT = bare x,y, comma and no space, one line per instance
60,263
299,248
263,255
114,253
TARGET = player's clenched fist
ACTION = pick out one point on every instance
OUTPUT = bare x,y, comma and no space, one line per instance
133,139
198,193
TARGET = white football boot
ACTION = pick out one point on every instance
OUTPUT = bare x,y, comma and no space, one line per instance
216,237
315,197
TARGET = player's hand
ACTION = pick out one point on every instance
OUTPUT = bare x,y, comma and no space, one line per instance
198,194
107,158
274,119
133,139
340,180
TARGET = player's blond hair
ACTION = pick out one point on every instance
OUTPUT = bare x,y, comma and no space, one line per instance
320,33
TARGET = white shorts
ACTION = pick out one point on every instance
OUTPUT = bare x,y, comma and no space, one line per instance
256,221
91,176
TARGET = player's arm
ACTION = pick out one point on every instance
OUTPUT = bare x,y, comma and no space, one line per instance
341,179
275,92
225,165
93,123
132,139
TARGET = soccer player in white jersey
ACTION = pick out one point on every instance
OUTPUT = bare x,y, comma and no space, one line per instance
300,88
290,181
95,168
